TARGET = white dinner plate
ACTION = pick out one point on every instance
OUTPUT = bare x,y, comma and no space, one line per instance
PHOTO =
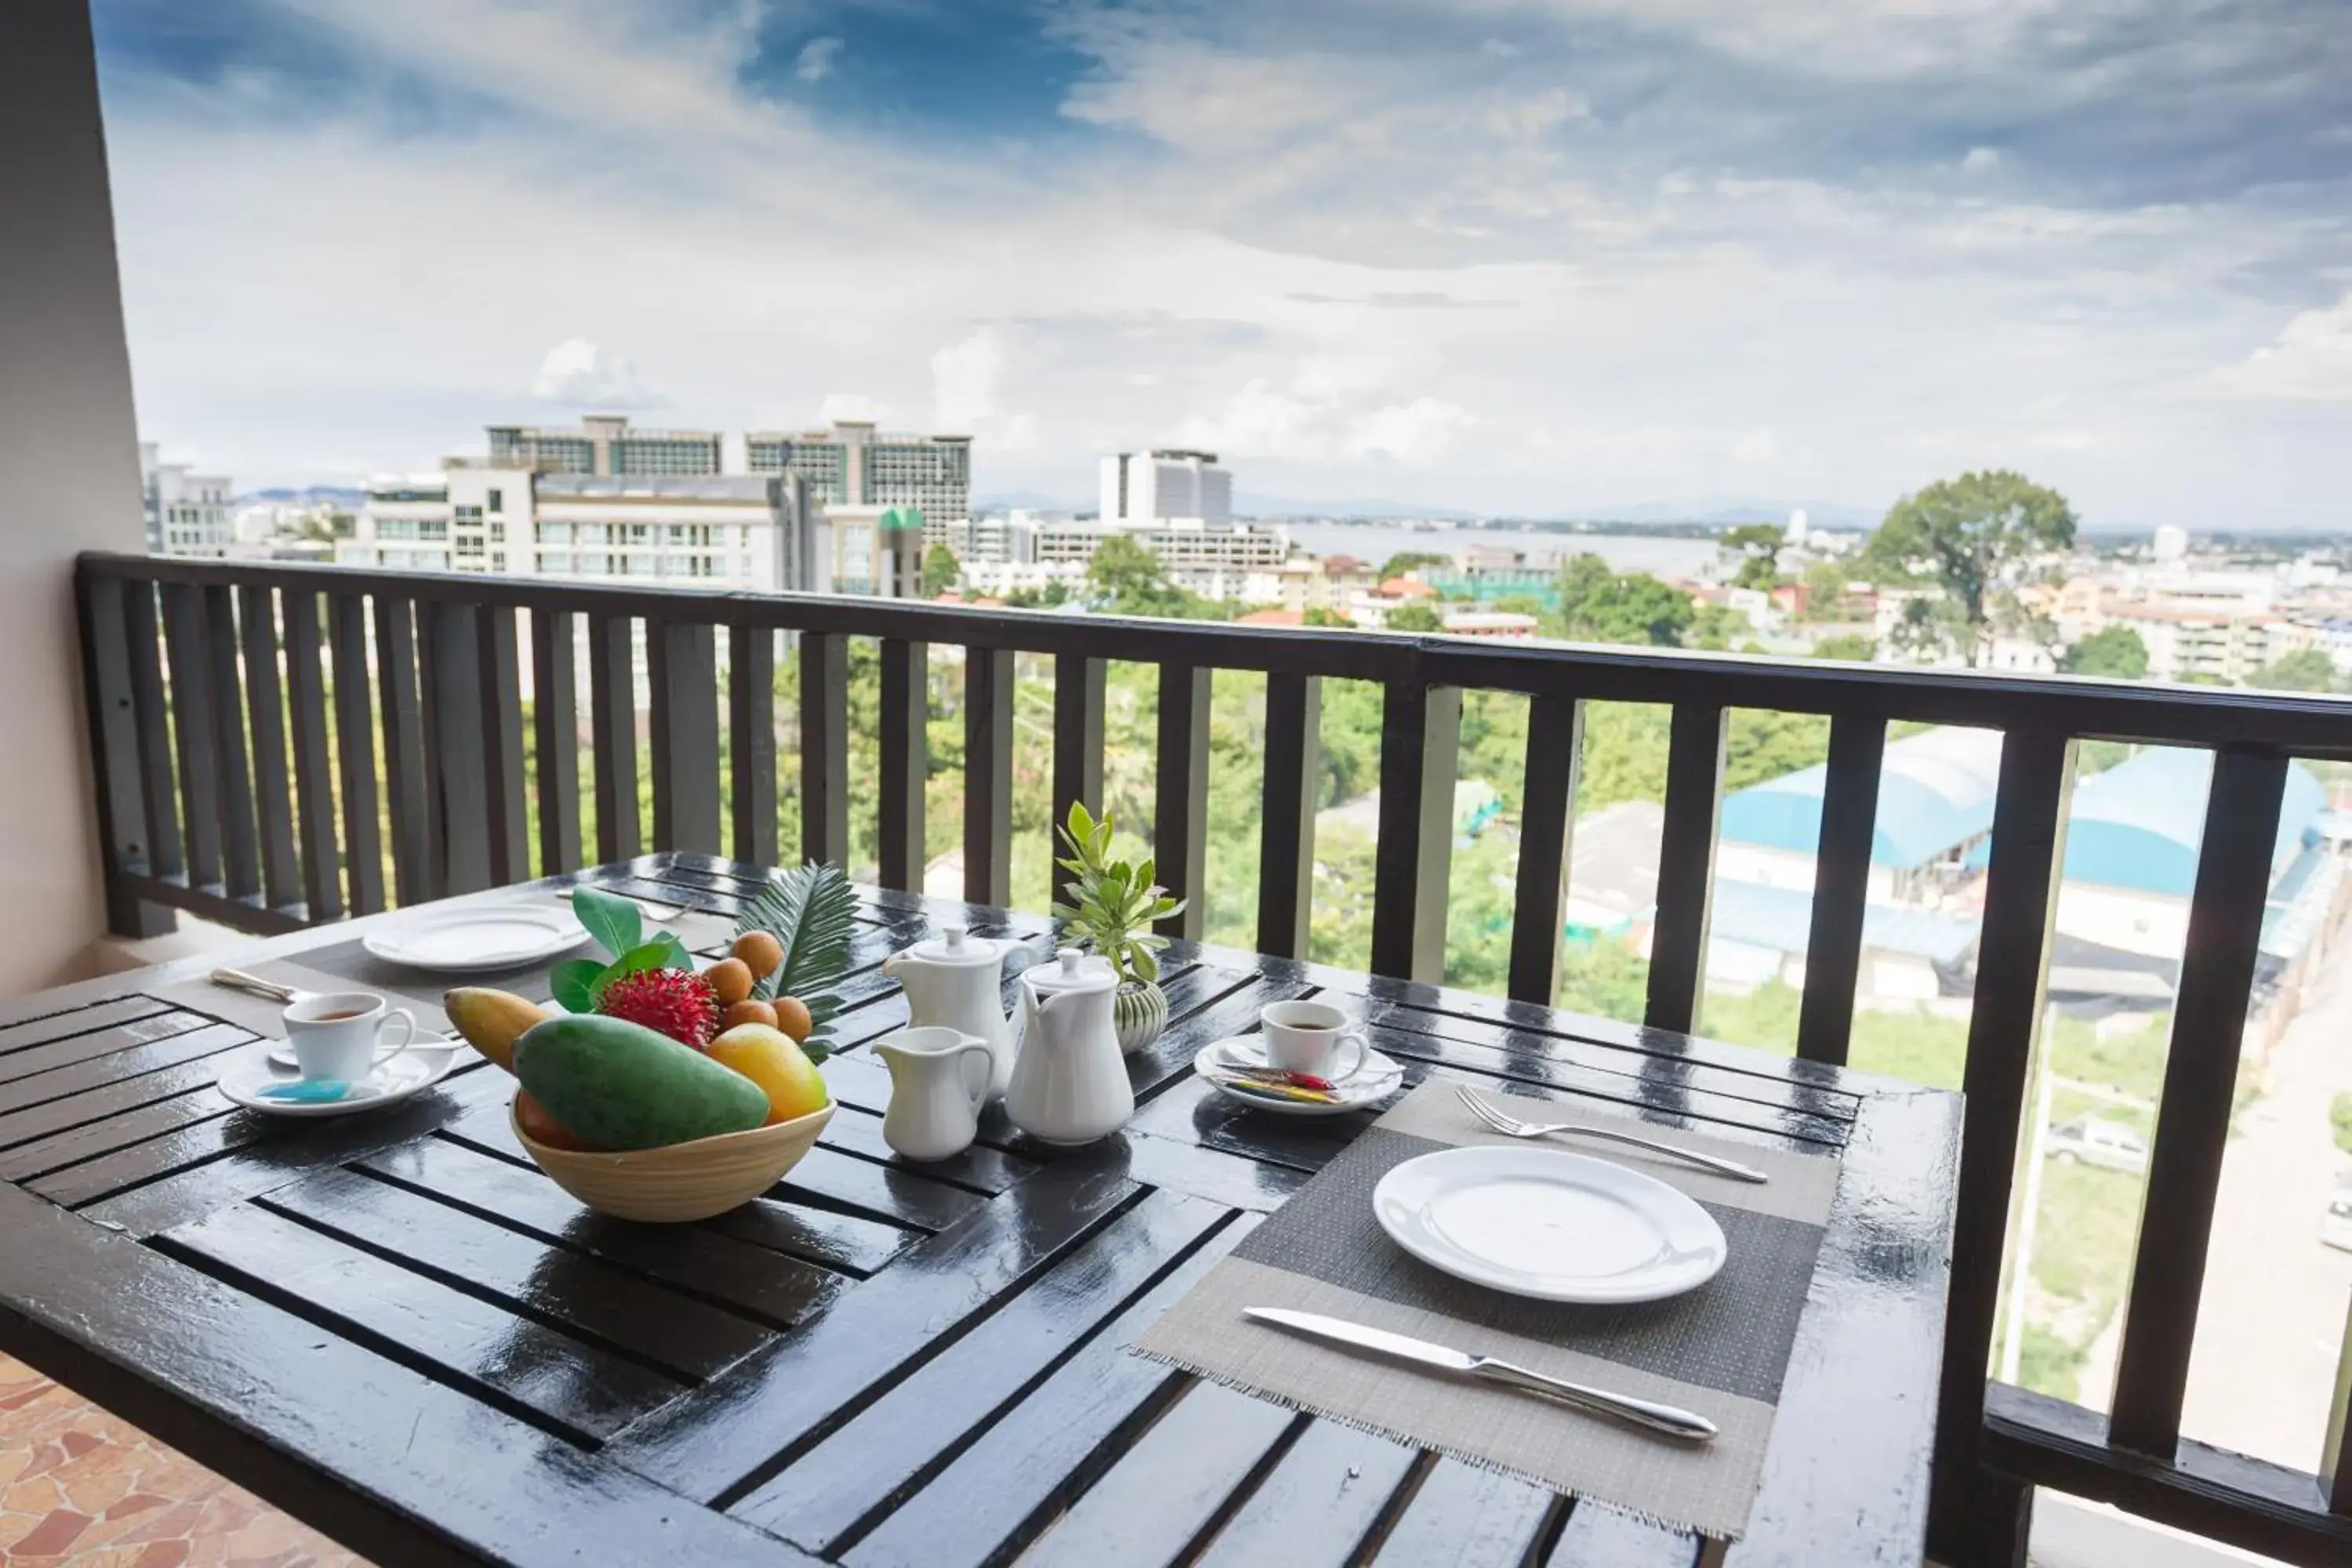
410,1073
1379,1078
1549,1224
476,940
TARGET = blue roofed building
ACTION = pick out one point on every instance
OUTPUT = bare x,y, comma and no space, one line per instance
1935,807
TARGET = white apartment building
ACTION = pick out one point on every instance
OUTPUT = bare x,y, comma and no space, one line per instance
1148,488
1208,559
2211,639
187,513
604,444
854,464
753,533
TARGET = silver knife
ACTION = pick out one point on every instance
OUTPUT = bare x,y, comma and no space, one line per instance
1686,1426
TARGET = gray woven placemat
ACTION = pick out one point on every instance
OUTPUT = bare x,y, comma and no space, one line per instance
1720,1349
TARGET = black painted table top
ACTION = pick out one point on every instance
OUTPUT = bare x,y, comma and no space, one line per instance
394,1327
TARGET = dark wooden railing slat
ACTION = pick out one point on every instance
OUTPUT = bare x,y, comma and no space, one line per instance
1079,687
2192,1121
1180,807
113,718
988,776
751,742
194,730
1973,1516
264,714
1547,843
355,742
906,761
555,737
240,849
1685,866
1421,734
1841,887
1285,852
498,670
415,818
825,747
455,729
152,707
613,723
314,797
682,671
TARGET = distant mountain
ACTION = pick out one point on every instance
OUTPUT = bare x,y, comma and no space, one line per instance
1029,501
1247,503
309,495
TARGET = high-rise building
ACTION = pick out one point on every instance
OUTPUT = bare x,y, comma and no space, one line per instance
853,464
1166,487
187,513
604,444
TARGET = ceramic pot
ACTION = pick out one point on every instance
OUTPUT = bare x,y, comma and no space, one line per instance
1138,1012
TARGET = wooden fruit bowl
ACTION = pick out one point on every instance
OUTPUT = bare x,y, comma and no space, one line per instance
683,1181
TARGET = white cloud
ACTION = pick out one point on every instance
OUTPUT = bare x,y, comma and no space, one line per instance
815,60
853,408
2310,361
582,374
1981,161
967,392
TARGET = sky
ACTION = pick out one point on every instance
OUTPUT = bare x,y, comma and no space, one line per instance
1525,257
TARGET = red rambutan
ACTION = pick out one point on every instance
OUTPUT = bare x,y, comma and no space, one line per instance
670,1001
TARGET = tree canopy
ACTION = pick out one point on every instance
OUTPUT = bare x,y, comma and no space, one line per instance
1405,561
941,571
1126,579
2305,670
1415,618
2115,651
1597,605
1979,538
1755,548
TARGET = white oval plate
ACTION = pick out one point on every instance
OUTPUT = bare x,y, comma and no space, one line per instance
1549,1224
411,1073
478,940
1379,1078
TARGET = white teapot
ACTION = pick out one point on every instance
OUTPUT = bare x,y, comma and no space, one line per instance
1070,1085
955,981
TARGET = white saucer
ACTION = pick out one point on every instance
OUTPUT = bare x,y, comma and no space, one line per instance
281,1052
411,1073
1379,1078
1550,1225
478,940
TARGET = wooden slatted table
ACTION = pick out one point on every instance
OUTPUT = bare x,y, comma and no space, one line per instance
394,1327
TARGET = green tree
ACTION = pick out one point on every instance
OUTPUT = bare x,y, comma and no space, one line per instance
1714,625
1755,548
2111,650
1848,645
1405,561
1981,538
1597,605
942,571
1415,618
1326,619
1825,590
1125,579
2305,670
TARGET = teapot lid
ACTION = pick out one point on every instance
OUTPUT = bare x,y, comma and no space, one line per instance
955,945
1072,971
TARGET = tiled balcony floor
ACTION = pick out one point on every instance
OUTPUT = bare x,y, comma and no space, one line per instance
77,1486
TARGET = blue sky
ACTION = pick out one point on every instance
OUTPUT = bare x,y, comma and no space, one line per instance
1531,256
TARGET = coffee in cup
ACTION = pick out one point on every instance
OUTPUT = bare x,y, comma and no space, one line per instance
335,1035
1312,1038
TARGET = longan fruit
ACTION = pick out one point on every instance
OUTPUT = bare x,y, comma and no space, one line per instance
731,978
793,1018
760,952
748,1011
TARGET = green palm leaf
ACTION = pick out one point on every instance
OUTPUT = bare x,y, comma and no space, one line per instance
813,913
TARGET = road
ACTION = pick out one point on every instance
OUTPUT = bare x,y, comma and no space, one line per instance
2271,1324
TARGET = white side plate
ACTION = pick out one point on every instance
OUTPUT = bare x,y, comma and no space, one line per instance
1379,1078
412,1072
1549,1224
476,941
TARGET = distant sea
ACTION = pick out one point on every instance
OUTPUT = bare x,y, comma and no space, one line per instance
1376,541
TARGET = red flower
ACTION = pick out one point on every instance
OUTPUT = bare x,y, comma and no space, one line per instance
670,1001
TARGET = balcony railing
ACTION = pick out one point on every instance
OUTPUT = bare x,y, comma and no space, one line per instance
184,660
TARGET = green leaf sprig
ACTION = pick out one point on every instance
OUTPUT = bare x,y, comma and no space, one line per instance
1114,902
617,925
813,913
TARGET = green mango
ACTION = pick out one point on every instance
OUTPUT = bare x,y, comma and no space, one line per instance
617,1084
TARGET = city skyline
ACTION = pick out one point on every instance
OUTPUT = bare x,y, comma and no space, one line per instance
1514,259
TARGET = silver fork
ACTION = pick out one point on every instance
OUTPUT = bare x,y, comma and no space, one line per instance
1512,1127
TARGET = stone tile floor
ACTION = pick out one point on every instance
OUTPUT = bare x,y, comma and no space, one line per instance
80,1487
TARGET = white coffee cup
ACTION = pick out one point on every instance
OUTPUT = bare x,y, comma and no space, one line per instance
1312,1038
335,1034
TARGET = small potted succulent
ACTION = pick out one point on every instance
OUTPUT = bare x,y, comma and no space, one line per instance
1113,905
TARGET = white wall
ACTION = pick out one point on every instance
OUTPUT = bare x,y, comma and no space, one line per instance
69,473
